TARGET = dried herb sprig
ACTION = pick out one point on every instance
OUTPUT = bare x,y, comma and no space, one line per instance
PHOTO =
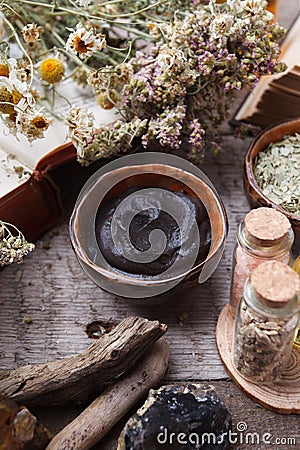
170,67
184,85
13,247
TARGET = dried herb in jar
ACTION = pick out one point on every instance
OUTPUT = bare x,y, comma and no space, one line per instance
266,321
296,267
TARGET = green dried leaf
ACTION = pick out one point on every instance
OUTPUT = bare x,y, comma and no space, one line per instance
277,173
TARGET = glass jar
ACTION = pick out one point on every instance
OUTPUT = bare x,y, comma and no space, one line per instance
296,267
265,234
266,320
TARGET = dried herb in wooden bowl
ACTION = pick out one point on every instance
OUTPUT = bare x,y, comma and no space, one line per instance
277,173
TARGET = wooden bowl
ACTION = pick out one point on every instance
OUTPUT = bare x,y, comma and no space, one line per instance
255,196
165,172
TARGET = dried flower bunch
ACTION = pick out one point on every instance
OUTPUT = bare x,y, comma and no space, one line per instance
13,247
169,68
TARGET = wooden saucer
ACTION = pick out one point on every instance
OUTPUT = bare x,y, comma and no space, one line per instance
282,397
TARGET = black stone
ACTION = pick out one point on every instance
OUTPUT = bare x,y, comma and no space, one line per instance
178,417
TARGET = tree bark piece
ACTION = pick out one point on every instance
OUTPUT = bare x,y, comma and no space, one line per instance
105,411
76,378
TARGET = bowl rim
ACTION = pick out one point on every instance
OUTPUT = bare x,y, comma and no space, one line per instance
123,277
262,137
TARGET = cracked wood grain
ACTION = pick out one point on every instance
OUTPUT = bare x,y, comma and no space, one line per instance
75,378
104,412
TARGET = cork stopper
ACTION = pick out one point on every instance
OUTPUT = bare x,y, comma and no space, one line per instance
266,226
275,283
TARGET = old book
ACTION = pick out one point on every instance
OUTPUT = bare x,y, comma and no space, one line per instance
30,197
276,97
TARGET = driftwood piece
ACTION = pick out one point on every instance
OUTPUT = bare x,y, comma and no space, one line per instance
75,378
105,411
19,429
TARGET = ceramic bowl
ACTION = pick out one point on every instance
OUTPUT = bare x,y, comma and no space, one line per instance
255,195
145,170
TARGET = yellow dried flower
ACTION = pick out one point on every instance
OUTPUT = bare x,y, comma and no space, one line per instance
52,70
107,102
40,122
4,70
5,96
13,116
16,96
85,42
11,97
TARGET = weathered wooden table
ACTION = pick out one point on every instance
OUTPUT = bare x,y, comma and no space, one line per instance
51,288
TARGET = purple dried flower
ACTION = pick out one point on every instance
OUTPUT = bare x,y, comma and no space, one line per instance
197,133
187,81
166,128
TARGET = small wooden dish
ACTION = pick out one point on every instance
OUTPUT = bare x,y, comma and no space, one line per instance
282,397
147,170
255,195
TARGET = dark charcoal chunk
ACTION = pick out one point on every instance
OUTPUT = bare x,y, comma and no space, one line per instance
178,417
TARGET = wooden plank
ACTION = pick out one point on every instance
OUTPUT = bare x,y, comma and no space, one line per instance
61,299
51,289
